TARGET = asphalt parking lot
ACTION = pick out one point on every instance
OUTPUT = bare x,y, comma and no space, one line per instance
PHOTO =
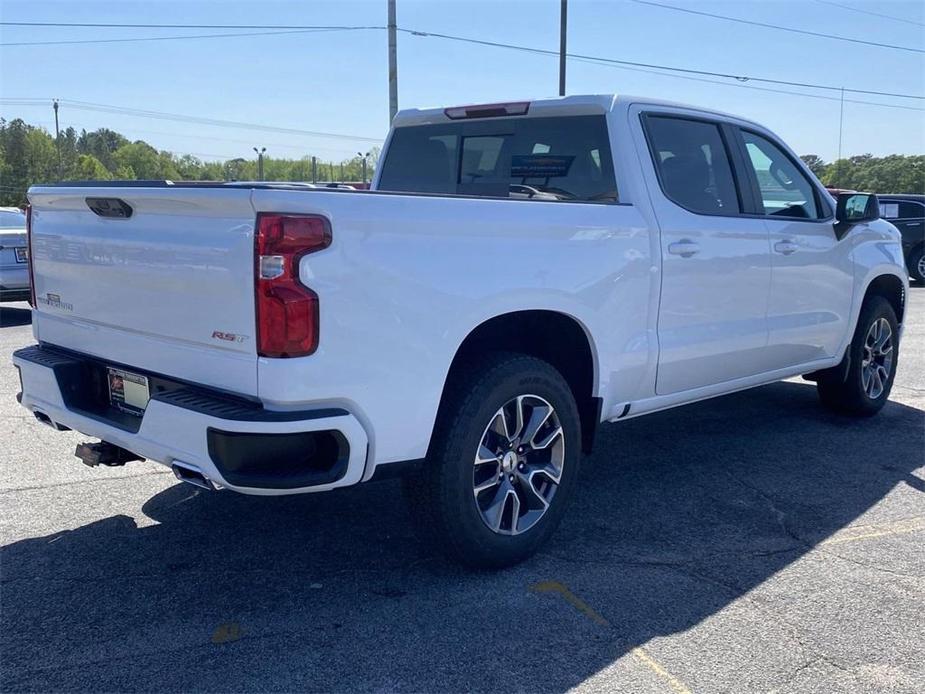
752,543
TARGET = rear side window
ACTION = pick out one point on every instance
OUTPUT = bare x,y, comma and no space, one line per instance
559,158
785,190
693,164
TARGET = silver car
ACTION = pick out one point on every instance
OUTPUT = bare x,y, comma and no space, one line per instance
14,255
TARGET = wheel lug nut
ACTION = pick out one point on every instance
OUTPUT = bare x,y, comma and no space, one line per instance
520,467
511,478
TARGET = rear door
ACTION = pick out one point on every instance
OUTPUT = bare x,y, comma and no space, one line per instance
715,260
812,279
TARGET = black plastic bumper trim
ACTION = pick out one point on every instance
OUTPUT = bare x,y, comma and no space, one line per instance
70,367
279,461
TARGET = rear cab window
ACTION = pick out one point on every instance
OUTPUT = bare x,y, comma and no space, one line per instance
565,158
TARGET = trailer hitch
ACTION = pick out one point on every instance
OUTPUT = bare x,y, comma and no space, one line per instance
104,453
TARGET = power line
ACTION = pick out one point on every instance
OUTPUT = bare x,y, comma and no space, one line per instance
779,28
169,38
706,73
872,14
413,32
160,115
749,86
118,25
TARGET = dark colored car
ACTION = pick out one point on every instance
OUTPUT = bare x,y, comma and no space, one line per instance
907,213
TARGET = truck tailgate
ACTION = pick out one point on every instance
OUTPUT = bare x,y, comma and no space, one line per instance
169,289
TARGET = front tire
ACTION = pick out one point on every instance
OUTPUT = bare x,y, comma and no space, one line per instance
502,464
872,356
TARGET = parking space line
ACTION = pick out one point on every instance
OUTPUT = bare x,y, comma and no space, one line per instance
909,525
639,653
643,657
571,599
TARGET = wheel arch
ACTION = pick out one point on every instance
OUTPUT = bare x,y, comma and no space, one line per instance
892,288
555,337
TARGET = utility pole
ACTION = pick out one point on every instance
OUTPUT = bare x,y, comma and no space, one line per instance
563,21
393,64
314,170
260,162
841,123
57,137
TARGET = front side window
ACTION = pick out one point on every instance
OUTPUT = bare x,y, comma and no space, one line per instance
556,158
692,164
785,189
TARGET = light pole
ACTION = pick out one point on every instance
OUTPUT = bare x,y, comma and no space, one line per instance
393,63
260,162
563,20
364,157
57,137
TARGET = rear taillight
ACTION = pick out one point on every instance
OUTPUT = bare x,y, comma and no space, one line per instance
287,310
31,258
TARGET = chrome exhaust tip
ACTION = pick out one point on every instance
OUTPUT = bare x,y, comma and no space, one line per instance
191,475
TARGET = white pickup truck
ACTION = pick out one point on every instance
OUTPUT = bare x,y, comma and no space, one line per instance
519,273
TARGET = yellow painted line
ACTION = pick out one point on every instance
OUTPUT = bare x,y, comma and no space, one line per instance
909,525
571,599
226,633
643,657
639,653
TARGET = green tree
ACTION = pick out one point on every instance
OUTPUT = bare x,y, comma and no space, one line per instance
89,168
815,164
101,144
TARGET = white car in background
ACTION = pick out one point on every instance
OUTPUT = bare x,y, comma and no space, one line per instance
14,256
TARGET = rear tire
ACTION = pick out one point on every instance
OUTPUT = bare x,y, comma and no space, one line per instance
873,356
502,463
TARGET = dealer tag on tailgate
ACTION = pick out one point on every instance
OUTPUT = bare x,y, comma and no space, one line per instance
128,392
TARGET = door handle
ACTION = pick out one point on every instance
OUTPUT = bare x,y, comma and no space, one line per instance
786,247
684,248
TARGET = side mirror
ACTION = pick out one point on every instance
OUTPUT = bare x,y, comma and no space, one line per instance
854,208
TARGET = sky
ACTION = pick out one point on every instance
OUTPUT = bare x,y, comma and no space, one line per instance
337,81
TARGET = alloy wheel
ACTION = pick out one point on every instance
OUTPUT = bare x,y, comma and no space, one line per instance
518,465
877,360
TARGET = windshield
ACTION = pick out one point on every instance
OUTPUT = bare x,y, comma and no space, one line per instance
559,158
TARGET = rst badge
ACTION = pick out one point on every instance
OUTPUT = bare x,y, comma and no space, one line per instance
228,337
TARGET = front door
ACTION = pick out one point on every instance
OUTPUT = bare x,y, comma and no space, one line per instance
812,279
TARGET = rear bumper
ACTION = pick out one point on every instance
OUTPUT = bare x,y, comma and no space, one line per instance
235,444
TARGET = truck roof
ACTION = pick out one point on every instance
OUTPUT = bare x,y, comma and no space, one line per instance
578,104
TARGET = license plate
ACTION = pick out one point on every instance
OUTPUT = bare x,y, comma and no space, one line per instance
128,392
22,255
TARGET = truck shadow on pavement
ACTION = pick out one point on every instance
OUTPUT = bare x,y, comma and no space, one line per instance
678,515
